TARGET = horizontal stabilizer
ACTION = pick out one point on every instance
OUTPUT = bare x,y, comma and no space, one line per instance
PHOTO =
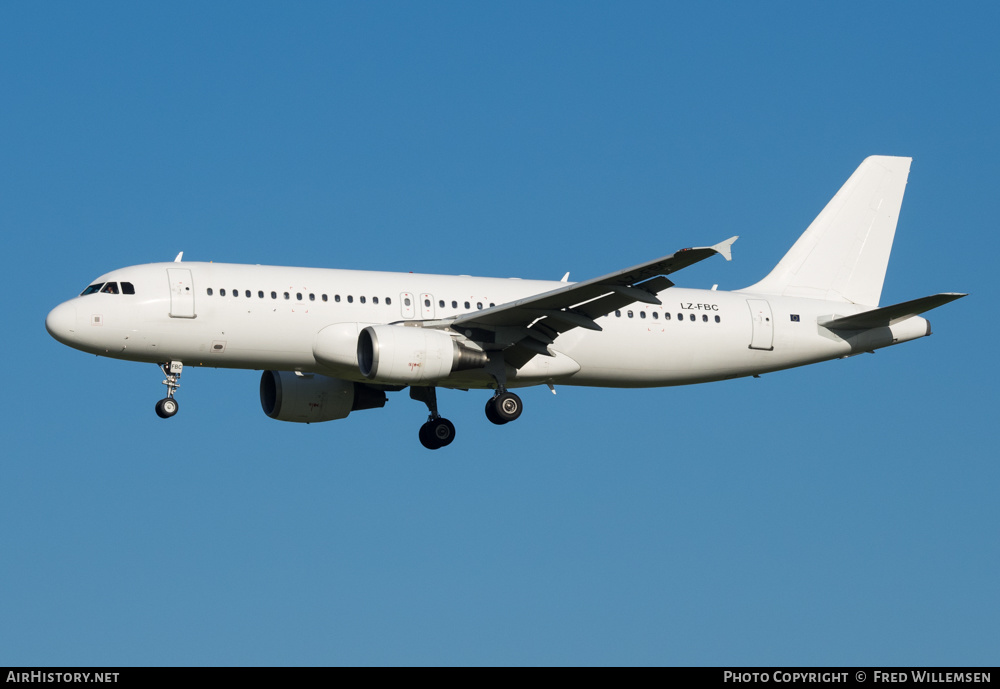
889,315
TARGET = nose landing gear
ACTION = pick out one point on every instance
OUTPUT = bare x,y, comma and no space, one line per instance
168,406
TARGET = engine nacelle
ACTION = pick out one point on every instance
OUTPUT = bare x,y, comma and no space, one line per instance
308,398
407,355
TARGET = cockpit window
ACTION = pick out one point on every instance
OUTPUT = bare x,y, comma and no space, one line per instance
128,288
110,288
92,289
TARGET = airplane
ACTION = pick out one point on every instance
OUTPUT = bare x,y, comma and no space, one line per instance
330,342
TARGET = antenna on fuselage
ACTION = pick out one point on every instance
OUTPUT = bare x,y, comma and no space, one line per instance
179,257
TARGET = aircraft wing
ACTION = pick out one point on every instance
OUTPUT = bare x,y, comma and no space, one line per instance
534,322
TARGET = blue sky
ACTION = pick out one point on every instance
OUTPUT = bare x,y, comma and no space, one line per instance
841,514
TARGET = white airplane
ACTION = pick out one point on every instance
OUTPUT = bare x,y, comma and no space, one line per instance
335,341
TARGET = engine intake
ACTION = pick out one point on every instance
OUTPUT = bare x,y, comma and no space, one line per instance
407,355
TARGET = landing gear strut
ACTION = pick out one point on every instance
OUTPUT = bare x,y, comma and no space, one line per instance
438,431
168,406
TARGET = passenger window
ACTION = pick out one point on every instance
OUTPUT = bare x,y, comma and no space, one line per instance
642,314
718,320
374,300
388,301
466,304
236,293
110,288
209,291
479,305
666,316
361,299
336,298
692,317
427,303
128,288
454,304
350,299
630,314
260,294
312,297
298,296
274,295
656,315
406,301
222,292
324,298
247,294
441,303
680,316
492,305
618,313
287,296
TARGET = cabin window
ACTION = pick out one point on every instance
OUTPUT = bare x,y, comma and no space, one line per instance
287,296
479,305
350,299
718,320
642,314
336,298
260,294
666,316
388,301
374,300
692,317
618,313
248,294
274,295
406,301
222,292
209,291
427,303
680,317
492,305
361,299
324,298
454,304
236,293
466,304
312,297
630,314
656,315
704,318
298,296
441,303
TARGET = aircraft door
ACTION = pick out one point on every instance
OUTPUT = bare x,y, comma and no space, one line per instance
763,325
181,293
406,304
427,306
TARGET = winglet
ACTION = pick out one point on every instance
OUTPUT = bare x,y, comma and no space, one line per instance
725,248
179,257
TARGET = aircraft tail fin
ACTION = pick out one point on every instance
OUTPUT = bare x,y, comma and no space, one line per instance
844,253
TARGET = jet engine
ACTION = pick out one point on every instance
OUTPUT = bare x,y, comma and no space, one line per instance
309,397
411,355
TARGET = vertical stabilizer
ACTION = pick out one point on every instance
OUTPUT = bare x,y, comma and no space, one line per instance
844,253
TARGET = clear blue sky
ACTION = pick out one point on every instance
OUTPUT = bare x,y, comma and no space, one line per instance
842,514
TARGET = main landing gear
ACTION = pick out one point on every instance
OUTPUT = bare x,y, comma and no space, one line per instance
168,406
503,407
438,431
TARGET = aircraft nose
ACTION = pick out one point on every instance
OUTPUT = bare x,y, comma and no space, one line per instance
61,322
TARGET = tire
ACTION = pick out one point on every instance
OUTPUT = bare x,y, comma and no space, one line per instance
507,406
437,433
166,407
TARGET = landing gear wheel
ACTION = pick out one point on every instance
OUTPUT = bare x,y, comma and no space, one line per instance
166,407
491,413
437,433
504,408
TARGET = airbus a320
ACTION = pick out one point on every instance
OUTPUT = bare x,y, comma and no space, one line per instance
331,342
